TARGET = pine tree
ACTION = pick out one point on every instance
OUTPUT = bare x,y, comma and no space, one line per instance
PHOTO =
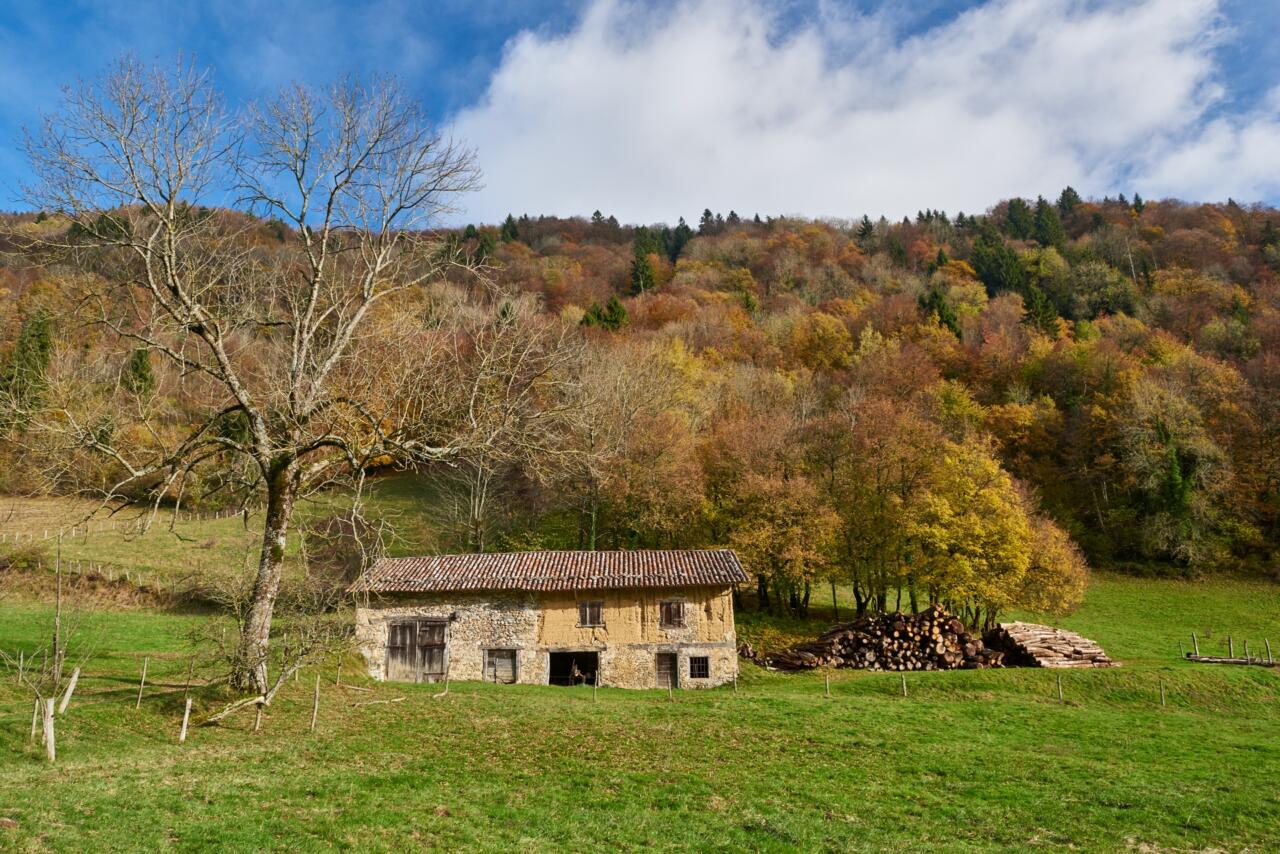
597,218
998,267
510,231
707,224
676,239
614,315
933,302
1068,201
1048,225
1040,313
485,246
733,218
642,278
470,233
138,377
1018,221
866,228
1138,204
23,379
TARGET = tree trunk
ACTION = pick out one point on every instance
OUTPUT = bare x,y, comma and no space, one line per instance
762,593
804,601
911,593
251,658
835,605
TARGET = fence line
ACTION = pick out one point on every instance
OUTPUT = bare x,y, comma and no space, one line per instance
41,534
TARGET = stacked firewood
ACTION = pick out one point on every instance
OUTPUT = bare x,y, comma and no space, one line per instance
1034,645
930,640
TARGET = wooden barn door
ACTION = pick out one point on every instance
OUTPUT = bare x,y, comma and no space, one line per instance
416,651
667,676
431,651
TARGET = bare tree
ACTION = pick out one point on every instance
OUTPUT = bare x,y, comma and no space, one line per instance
300,355
514,373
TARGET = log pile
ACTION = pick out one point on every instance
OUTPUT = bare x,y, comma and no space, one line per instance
930,640
1033,645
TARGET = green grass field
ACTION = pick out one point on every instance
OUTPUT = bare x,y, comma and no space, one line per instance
967,761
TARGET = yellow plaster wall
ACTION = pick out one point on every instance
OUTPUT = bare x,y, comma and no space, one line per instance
632,616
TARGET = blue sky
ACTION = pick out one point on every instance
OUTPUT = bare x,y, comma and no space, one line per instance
815,107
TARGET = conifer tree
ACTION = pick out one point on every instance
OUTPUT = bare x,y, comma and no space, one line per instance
614,315
1048,225
933,302
1039,312
1068,201
486,245
23,383
866,228
998,267
1138,204
676,239
707,224
510,231
642,278
138,377
1018,221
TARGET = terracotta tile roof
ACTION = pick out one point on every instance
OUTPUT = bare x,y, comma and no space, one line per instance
536,571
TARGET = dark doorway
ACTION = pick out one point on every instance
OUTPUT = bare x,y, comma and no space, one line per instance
416,651
668,676
574,668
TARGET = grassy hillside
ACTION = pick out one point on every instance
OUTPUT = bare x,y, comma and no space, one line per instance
968,761
173,552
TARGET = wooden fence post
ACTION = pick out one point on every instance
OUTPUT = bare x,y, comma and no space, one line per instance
1162,702
50,749
315,705
257,718
1060,700
1231,647
1268,645
186,716
141,683
1195,643
71,687
35,719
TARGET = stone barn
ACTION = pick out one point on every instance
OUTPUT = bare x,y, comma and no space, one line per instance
630,619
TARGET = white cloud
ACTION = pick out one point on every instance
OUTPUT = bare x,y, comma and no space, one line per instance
655,114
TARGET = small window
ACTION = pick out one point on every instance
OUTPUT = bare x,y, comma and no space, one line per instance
671,613
590,613
699,667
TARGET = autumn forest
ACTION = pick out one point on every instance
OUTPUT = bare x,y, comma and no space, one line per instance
972,408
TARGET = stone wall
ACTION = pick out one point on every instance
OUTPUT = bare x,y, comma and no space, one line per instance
476,623
536,625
